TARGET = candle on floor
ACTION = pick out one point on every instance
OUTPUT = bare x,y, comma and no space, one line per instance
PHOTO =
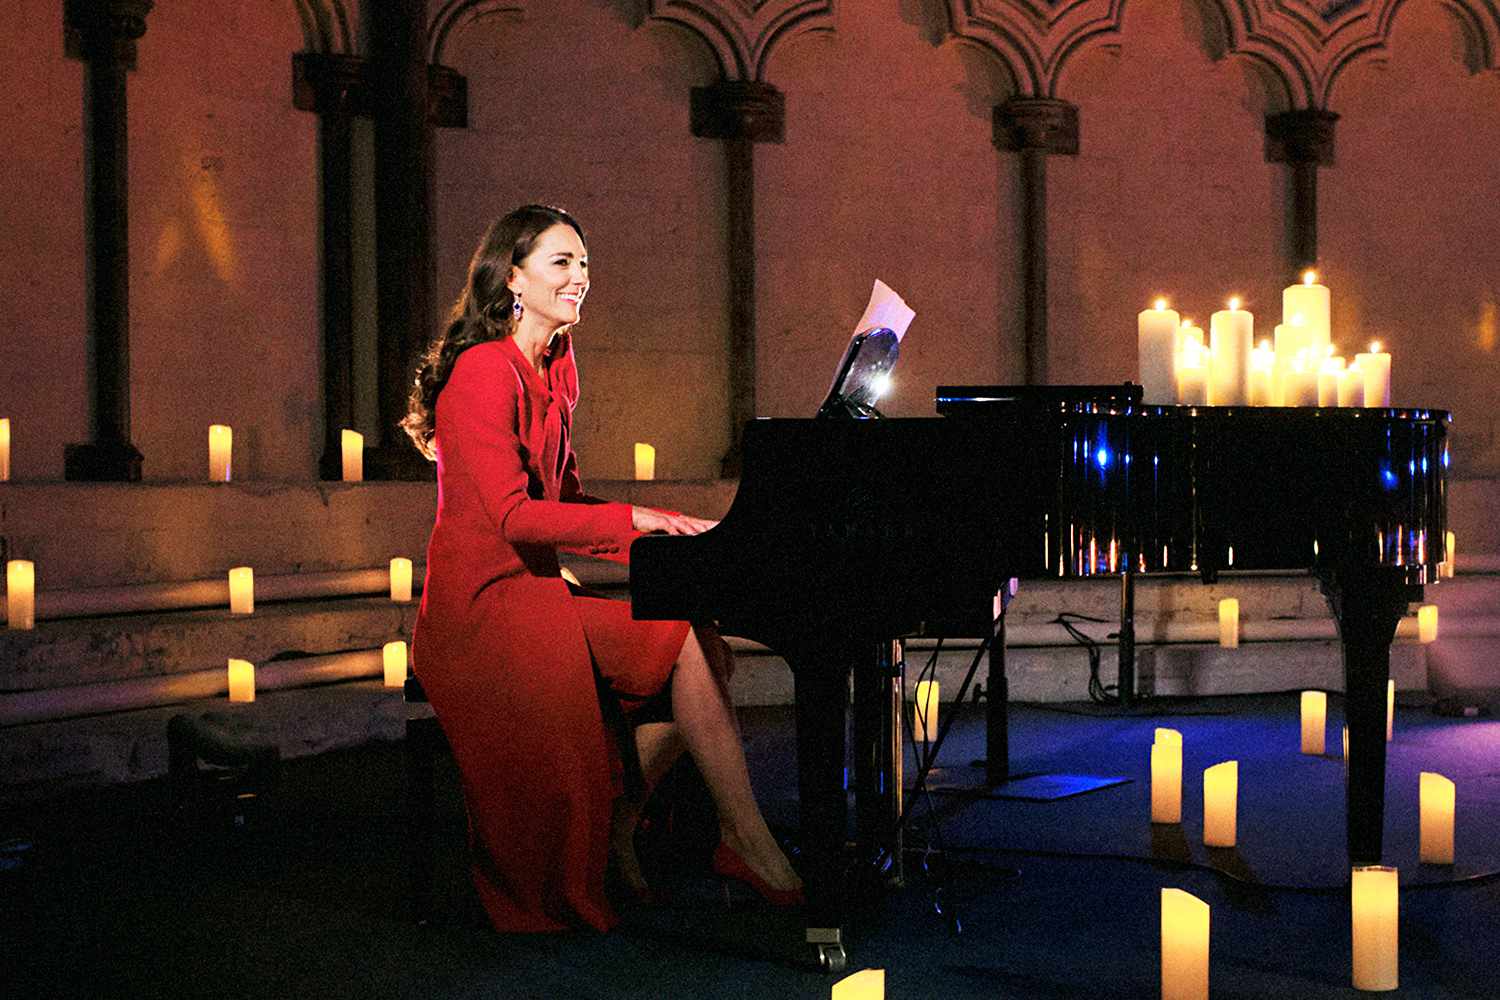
926,709
4,449
242,590
1427,622
645,461
1156,346
1330,377
20,594
1390,709
1375,369
1192,374
220,452
1263,375
1231,334
866,984
241,680
1221,790
1374,904
401,580
1436,802
393,658
1166,777
1229,623
354,456
1310,301
1184,946
1314,721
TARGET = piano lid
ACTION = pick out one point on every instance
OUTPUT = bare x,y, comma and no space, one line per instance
955,400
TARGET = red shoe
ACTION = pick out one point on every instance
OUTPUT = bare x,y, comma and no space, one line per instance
729,864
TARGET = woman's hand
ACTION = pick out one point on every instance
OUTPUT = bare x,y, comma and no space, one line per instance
649,519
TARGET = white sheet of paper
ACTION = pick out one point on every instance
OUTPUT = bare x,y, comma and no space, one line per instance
885,309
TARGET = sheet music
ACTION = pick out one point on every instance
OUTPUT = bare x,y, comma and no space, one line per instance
886,309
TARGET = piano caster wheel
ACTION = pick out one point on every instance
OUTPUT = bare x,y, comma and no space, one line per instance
831,958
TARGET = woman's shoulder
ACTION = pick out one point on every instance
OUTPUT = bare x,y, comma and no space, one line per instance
489,358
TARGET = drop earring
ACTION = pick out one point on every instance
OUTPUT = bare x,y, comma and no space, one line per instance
515,309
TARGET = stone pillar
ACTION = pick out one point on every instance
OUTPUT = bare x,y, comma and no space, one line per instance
1303,139
1035,127
103,34
741,113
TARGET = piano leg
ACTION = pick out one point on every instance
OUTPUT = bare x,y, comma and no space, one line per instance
1367,603
879,760
822,695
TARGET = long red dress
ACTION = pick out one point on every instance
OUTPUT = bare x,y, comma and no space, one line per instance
507,653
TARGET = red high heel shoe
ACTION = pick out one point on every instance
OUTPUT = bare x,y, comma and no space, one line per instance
729,864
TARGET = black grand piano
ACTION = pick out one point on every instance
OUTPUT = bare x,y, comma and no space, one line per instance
846,534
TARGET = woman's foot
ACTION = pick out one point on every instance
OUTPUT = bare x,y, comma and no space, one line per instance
622,857
761,857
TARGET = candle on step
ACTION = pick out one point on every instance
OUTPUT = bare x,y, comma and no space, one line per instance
1330,377
20,594
1436,801
241,680
242,590
1299,385
354,455
1156,345
4,449
1427,622
1374,904
866,984
1344,733
1310,301
645,461
1390,710
1450,555
220,452
1229,623
1231,334
1221,790
1375,369
1314,720
1351,386
393,658
926,709
1184,946
401,580
1192,374
1166,777
1262,375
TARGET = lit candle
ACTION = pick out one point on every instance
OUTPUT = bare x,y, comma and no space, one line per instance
242,590
1231,334
866,984
1156,346
1166,777
220,452
1309,300
241,680
1344,735
1221,789
1262,375
1436,800
1314,720
1184,946
1374,902
1229,623
401,580
4,449
1290,342
1299,385
1450,555
1192,374
926,710
393,657
1390,711
645,461
1375,369
354,456
1330,377
1351,386
20,594
1427,619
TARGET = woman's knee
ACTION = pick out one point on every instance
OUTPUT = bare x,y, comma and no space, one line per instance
715,651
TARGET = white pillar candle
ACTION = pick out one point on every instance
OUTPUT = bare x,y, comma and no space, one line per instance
925,721
1436,801
354,456
1156,346
1375,369
401,580
1166,777
1351,386
1263,375
1165,735
1330,376
1310,301
1229,623
1427,622
4,449
393,658
1344,736
866,984
1289,343
1192,374
241,680
20,594
1231,335
242,590
1390,709
1299,385
1374,904
645,461
1184,946
1221,790
1450,555
220,453
1314,721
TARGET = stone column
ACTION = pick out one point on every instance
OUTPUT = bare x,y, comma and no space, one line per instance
1035,127
741,113
1303,139
103,34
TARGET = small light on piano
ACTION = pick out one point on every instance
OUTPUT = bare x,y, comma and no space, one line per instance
1411,467
1103,458
1315,548
1127,458
1446,460
1424,465
1390,478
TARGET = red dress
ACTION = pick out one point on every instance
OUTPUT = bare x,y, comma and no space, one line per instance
507,652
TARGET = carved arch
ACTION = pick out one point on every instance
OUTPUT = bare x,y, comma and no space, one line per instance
454,13
743,33
326,26
1034,38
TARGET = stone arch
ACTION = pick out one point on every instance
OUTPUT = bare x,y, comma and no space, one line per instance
742,34
458,13
326,26
1034,38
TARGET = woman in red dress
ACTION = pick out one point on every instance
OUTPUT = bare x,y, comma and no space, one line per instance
508,653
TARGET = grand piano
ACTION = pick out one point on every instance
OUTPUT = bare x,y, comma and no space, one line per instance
848,534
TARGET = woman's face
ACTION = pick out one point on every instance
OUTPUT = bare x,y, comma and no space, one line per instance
552,281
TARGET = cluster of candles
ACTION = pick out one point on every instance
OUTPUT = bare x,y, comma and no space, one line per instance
1298,368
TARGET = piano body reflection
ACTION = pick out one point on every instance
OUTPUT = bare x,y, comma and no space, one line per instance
846,534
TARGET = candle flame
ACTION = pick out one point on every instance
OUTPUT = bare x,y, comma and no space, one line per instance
1330,350
1161,305
1265,345
1234,303
1374,347
1186,322
1309,277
